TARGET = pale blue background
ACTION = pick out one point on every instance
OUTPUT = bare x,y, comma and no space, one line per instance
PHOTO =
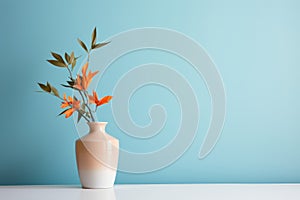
255,44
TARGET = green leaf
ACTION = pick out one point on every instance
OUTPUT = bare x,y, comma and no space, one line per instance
57,63
71,83
96,46
67,86
55,91
94,36
72,58
83,45
83,107
67,57
63,111
45,87
87,114
48,85
58,57
74,63
79,116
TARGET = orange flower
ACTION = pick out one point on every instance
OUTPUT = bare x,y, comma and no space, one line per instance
83,82
75,105
66,102
94,99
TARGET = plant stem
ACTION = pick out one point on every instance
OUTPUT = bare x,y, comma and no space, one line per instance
86,95
86,104
70,72
96,109
82,114
90,110
79,111
88,60
93,119
82,96
86,99
56,96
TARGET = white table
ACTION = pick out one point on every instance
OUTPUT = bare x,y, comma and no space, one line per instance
156,192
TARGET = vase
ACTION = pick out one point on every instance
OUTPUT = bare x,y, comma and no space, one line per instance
97,155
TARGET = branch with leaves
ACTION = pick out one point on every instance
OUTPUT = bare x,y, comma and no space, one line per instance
79,84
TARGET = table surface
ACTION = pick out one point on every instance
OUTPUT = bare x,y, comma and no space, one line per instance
156,191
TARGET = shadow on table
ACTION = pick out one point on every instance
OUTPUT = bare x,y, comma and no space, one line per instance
96,194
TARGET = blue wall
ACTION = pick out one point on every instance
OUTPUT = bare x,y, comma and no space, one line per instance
255,44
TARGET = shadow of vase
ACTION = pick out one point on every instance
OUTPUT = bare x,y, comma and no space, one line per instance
96,194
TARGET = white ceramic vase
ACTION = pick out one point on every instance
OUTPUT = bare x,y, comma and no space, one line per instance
97,155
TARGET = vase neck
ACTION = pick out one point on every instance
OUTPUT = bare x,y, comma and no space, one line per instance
96,126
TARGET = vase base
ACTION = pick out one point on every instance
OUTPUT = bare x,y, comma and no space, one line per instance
91,188
97,179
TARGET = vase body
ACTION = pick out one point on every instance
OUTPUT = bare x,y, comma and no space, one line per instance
97,155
